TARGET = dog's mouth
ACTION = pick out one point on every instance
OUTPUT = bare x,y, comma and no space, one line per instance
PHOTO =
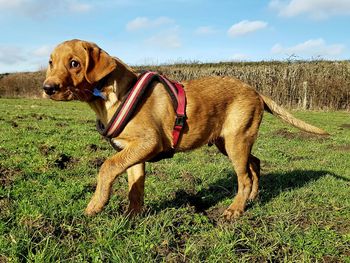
62,96
55,92
68,95
81,94
58,92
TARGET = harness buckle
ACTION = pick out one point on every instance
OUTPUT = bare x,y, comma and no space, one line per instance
180,120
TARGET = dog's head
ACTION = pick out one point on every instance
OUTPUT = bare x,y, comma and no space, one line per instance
75,68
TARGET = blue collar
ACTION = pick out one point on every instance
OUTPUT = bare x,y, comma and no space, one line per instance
98,93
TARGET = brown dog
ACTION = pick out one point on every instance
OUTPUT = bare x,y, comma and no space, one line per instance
220,110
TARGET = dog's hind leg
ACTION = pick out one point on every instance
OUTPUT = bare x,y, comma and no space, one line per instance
238,149
240,131
254,167
134,153
136,180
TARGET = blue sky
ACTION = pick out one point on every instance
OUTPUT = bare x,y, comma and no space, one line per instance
154,32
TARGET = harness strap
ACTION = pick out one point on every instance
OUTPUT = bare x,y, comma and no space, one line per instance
126,109
180,113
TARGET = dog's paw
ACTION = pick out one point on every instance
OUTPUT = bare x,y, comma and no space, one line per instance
253,196
134,211
89,212
92,209
230,214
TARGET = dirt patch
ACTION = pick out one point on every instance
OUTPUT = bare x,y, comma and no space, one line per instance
52,118
7,175
46,149
212,151
190,198
159,172
4,259
87,121
63,231
90,188
345,126
95,148
64,161
36,116
330,259
97,162
40,117
31,128
284,133
164,250
5,208
4,151
340,148
92,147
191,180
14,124
299,158
61,124
266,165
214,214
41,227
19,117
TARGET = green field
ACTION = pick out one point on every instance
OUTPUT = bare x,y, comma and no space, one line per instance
50,154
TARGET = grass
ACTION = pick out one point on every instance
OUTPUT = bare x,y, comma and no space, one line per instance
50,154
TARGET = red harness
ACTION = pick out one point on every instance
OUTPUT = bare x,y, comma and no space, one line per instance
128,106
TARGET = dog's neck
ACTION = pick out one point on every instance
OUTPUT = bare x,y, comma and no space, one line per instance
117,84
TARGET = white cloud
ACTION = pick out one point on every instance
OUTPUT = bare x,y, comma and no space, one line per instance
43,51
169,39
16,59
240,57
316,9
205,31
10,55
310,48
144,23
77,7
5,4
245,27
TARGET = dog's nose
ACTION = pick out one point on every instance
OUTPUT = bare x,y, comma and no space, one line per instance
50,89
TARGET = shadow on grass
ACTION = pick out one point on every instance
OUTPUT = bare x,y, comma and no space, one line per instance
271,185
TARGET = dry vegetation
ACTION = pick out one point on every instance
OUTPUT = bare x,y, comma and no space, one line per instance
295,84
21,85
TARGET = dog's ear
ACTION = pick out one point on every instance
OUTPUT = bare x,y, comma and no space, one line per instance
98,63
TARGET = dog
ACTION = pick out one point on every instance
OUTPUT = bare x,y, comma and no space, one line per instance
221,111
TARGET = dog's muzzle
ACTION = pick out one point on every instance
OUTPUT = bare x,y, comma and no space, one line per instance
50,89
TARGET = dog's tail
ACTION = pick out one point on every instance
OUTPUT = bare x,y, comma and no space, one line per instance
272,107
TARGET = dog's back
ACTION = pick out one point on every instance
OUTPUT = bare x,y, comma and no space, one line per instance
213,103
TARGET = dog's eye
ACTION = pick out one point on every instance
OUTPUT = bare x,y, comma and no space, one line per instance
74,64
50,63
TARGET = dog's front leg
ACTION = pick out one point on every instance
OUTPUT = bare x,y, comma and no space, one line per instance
136,180
135,153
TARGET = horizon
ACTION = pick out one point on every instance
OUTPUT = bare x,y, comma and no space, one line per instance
191,63
169,32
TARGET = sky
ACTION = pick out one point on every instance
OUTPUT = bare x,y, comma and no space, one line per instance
152,32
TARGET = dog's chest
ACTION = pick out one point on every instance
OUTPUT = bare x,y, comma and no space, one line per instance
117,145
